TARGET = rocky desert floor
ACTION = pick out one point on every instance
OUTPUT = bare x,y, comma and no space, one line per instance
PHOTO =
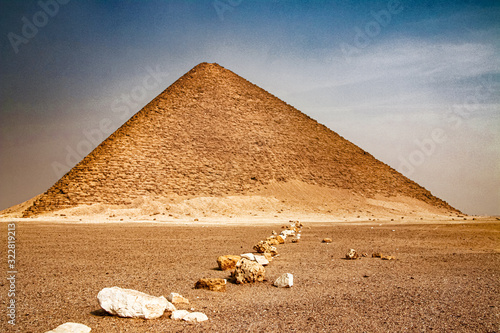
446,277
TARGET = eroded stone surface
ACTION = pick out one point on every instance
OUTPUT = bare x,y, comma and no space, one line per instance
248,271
132,303
227,262
211,284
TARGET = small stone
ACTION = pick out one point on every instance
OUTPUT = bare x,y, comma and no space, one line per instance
352,254
249,256
388,258
284,281
175,298
295,240
179,314
195,317
274,233
364,254
132,303
211,284
262,260
248,271
70,328
227,262
326,240
268,256
280,239
377,255
273,241
264,247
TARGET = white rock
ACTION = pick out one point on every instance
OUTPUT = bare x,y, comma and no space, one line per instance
249,256
132,303
284,281
288,232
261,260
71,328
179,314
195,317
176,298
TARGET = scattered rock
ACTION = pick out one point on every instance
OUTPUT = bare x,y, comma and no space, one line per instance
249,256
273,241
261,260
288,232
284,281
71,328
248,271
179,314
132,303
268,256
175,298
195,317
327,240
211,284
228,262
352,254
264,247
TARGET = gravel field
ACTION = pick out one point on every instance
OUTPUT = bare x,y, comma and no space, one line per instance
445,278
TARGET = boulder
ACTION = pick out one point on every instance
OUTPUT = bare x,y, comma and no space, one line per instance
179,314
195,317
326,240
284,281
352,254
211,284
261,260
175,298
264,247
132,303
248,271
227,262
70,328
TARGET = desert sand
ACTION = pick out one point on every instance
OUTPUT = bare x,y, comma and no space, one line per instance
445,277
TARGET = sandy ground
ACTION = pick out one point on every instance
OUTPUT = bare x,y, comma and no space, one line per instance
445,278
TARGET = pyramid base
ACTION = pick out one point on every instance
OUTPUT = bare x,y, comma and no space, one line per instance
278,201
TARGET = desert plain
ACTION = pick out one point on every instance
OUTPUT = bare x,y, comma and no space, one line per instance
445,277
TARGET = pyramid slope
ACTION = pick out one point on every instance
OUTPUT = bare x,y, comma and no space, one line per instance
213,133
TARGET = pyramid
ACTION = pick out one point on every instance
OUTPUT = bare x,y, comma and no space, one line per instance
214,134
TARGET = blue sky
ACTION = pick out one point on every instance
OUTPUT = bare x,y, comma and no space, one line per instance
415,83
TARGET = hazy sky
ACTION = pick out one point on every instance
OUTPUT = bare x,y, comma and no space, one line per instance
415,83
